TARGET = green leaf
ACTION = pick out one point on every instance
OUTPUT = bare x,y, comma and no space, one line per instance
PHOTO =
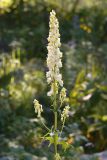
50,139
64,144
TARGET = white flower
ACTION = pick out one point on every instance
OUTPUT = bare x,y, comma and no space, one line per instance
65,113
50,93
87,97
54,88
54,54
52,134
38,107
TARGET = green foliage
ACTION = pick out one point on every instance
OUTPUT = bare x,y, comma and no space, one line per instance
20,83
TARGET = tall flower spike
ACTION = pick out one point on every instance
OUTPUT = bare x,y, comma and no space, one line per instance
54,54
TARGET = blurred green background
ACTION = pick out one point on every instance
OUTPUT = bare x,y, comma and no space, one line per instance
23,39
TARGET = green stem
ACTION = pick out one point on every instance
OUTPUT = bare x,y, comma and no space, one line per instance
44,125
55,141
62,127
55,120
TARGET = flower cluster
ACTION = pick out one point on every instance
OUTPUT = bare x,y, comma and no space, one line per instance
57,156
54,54
65,113
38,108
63,95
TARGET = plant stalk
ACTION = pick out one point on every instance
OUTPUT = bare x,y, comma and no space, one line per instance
55,120
55,140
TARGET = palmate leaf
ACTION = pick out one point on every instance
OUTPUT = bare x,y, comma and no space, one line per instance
50,139
65,145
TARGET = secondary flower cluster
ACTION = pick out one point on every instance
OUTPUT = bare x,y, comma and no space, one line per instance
63,95
54,54
38,107
65,113
57,156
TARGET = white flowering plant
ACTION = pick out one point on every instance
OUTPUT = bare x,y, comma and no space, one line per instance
57,92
